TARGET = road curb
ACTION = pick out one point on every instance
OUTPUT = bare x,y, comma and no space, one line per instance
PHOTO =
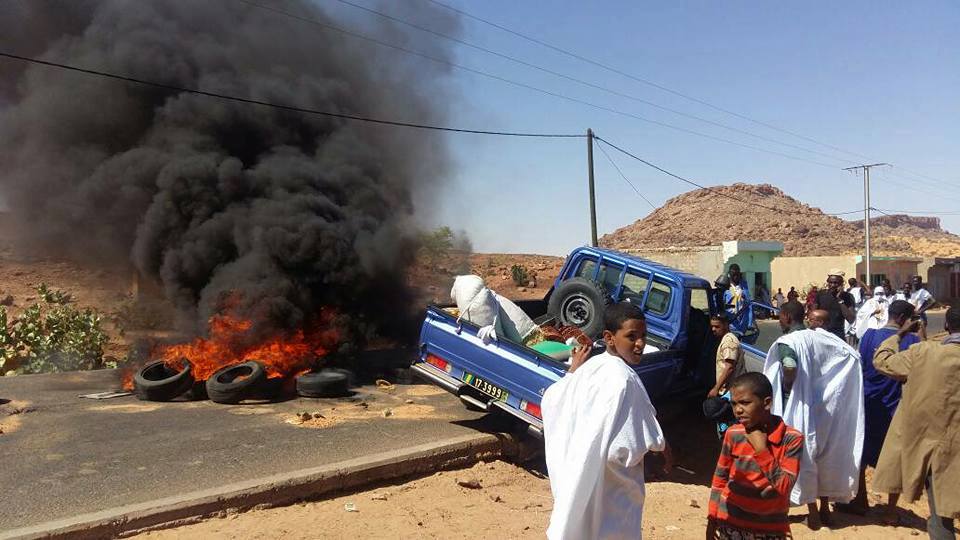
279,489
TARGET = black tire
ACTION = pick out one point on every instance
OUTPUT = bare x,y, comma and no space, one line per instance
349,374
157,381
321,384
236,383
580,302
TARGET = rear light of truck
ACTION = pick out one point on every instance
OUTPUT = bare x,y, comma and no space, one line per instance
438,362
531,408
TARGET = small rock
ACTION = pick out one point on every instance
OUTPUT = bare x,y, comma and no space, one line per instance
316,414
409,401
694,503
378,497
350,507
304,416
523,289
387,413
469,483
7,300
914,532
673,528
419,524
496,498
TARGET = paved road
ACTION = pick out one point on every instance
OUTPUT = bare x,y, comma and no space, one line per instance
70,456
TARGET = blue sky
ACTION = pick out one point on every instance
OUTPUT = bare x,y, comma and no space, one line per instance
876,78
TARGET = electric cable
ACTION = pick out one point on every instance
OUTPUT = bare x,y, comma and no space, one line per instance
581,81
280,105
711,190
629,183
661,87
528,86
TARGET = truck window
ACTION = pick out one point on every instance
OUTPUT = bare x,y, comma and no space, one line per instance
658,301
609,276
587,267
699,299
633,288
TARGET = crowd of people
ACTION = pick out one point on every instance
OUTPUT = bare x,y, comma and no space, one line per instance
832,400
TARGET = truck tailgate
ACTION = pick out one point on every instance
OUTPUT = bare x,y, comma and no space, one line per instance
501,374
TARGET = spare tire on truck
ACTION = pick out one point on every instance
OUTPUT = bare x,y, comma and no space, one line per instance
236,383
580,302
157,381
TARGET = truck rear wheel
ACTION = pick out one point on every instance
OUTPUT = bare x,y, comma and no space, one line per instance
580,302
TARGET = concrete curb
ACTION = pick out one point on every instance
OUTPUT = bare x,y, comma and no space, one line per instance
279,489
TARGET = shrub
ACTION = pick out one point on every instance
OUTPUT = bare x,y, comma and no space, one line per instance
520,275
51,336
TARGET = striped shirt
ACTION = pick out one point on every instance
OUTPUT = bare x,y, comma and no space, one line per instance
751,490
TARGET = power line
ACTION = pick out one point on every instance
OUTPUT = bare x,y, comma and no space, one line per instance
528,86
711,190
629,183
580,81
636,78
658,86
280,105
919,212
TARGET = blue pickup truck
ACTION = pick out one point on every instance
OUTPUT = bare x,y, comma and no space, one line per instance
512,378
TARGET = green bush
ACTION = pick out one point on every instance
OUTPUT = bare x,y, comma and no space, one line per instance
520,275
51,336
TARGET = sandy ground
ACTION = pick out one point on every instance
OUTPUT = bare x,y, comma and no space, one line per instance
510,502
515,502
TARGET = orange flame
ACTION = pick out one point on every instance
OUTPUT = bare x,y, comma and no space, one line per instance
283,355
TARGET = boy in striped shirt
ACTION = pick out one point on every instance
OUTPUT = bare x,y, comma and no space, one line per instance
758,464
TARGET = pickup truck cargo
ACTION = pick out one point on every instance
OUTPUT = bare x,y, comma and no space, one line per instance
511,377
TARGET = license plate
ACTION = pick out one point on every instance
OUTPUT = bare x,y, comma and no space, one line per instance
495,392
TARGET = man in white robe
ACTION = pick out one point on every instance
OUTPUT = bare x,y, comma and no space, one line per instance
825,403
598,424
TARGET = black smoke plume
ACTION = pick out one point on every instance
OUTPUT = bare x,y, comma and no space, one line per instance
213,198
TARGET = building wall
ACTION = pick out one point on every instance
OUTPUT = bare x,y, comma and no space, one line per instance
800,272
752,264
943,281
706,262
897,271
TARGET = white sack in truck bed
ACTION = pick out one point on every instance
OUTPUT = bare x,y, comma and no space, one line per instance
481,306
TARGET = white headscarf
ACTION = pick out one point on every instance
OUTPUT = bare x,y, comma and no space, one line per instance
873,313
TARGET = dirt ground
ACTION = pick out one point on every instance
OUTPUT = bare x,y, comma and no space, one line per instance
510,502
515,502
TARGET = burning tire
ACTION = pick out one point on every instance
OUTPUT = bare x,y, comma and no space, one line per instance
157,381
326,383
236,383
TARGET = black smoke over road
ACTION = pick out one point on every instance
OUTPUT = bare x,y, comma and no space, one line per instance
211,197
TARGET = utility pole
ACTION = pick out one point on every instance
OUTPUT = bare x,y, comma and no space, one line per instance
593,198
866,211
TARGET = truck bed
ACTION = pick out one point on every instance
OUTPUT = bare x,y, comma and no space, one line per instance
505,375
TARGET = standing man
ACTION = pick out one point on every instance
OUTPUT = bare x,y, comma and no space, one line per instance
856,291
921,449
779,299
921,298
824,401
905,292
838,304
881,395
730,361
737,301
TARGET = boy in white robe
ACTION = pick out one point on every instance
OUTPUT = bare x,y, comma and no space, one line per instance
598,424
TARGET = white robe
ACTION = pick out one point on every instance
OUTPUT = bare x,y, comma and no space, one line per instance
598,424
866,319
826,405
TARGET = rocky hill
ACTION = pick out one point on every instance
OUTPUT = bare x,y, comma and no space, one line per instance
709,216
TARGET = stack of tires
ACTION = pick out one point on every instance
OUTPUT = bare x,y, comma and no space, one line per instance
158,381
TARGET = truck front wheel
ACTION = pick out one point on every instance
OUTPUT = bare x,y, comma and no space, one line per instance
580,302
